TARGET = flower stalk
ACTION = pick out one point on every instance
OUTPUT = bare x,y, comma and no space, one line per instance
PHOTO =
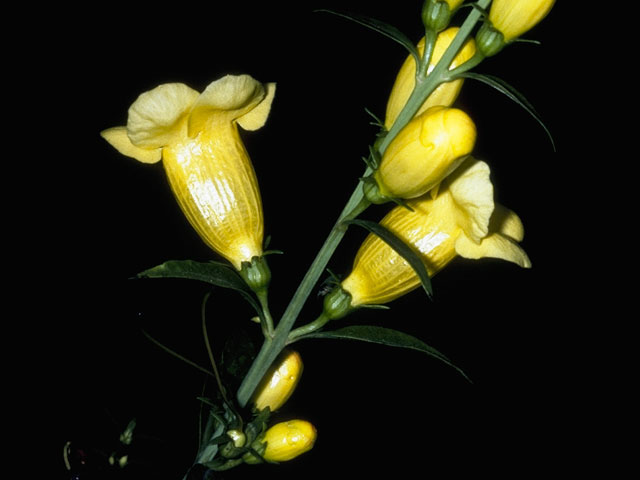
357,203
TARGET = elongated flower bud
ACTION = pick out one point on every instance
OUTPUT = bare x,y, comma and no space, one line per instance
280,382
509,19
425,151
209,170
445,94
287,440
461,219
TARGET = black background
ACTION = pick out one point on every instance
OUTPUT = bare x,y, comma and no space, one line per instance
378,410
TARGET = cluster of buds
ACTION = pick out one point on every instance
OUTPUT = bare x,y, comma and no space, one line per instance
288,439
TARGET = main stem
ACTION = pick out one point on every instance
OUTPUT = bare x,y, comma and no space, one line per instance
356,204
272,347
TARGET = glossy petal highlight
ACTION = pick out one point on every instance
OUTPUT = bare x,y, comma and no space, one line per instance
215,184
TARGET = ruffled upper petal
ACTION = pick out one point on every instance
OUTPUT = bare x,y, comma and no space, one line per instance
155,118
471,191
257,117
226,99
118,138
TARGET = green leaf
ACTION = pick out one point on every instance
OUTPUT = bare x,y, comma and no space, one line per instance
213,273
385,336
402,248
381,27
513,94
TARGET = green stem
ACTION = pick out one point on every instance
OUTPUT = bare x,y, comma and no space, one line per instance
317,324
266,319
274,345
209,350
466,66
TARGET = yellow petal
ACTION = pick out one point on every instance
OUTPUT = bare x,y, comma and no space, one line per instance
513,18
256,118
214,183
507,223
287,440
495,245
445,94
225,100
155,118
118,138
280,381
471,190
425,151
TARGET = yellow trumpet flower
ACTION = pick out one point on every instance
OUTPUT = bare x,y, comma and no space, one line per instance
280,382
425,151
512,18
445,94
461,219
196,137
286,440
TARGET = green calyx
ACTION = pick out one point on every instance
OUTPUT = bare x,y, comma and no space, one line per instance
436,15
337,303
372,192
256,274
489,41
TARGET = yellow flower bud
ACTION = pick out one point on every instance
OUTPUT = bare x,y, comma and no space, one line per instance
196,137
461,219
287,440
424,152
512,18
445,94
280,381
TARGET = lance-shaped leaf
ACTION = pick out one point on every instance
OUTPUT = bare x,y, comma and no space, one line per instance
381,27
213,273
386,336
513,94
404,250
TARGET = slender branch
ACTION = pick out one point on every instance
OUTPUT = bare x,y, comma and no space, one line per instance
266,319
317,324
209,351
175,354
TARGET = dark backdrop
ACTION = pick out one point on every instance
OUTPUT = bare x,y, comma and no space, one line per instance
377,410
